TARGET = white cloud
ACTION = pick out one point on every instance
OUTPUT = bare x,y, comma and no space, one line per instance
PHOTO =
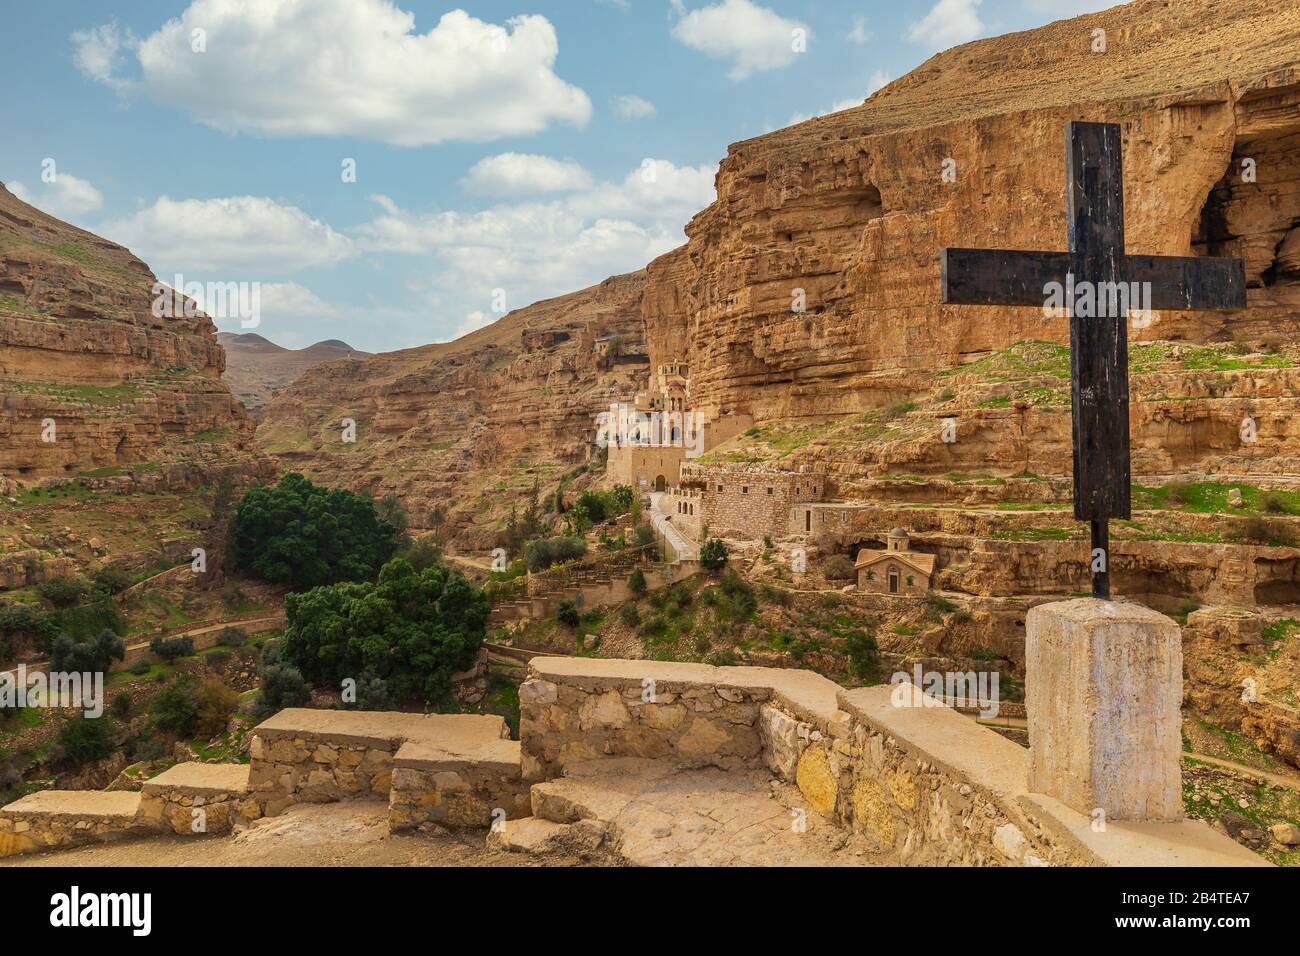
632,107
100,52
754,38
522,174
349,68
878,79
239,235
291,300
534,250
859,34
67,196
948,23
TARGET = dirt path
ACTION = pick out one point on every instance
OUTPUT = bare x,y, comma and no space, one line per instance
336,834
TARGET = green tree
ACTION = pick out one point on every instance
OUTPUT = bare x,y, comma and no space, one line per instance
70,655
713,555
412,630
175,709
864,653
83,740
304,536
567,614
636,582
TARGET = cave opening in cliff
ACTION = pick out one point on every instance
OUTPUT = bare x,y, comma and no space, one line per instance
868,205
1253,212
1276,582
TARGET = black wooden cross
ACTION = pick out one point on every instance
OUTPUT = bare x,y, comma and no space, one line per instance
1095,280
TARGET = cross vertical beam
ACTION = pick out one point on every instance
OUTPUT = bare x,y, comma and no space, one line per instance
1098,342
1091,273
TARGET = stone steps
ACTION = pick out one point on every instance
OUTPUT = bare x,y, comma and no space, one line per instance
58,818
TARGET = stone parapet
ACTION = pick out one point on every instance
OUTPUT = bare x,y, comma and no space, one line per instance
194,799
319,756
431,785
51,819
890,762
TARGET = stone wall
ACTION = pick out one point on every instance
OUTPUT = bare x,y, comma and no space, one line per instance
51,819
750,502
629,709
891,763
457,791
454,768
192,799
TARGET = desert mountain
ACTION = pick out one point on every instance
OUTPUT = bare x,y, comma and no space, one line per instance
90,377
256,367
853,209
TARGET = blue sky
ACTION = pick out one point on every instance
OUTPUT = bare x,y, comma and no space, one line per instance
504,152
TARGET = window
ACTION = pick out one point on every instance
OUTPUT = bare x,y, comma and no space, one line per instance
719,487
769,491
744,489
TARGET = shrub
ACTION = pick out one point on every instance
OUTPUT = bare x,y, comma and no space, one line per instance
713,555
411,629
122,705
864,653
372,693
1257,530
110,579
304,536
83,740
215,703
1274,503
281,685
140,667
630,615
93,656
838,568
175,709
171,648
27,625
636,582
63,591
423,552
146,747
1178,493
643,535
232,637
567,614
546,552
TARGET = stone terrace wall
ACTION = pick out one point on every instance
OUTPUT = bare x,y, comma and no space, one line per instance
318,756
892,763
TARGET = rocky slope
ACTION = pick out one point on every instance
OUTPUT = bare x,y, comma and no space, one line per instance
467,426
256,367
853,209
90,379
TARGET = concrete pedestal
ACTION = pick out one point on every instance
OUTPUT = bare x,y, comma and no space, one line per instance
1104,688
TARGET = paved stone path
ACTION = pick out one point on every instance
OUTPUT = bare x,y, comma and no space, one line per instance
656,816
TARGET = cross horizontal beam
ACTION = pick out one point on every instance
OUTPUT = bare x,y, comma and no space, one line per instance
1017,278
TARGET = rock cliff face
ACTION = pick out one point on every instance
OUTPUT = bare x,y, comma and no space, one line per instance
846,215
90,379
468,426
853,208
